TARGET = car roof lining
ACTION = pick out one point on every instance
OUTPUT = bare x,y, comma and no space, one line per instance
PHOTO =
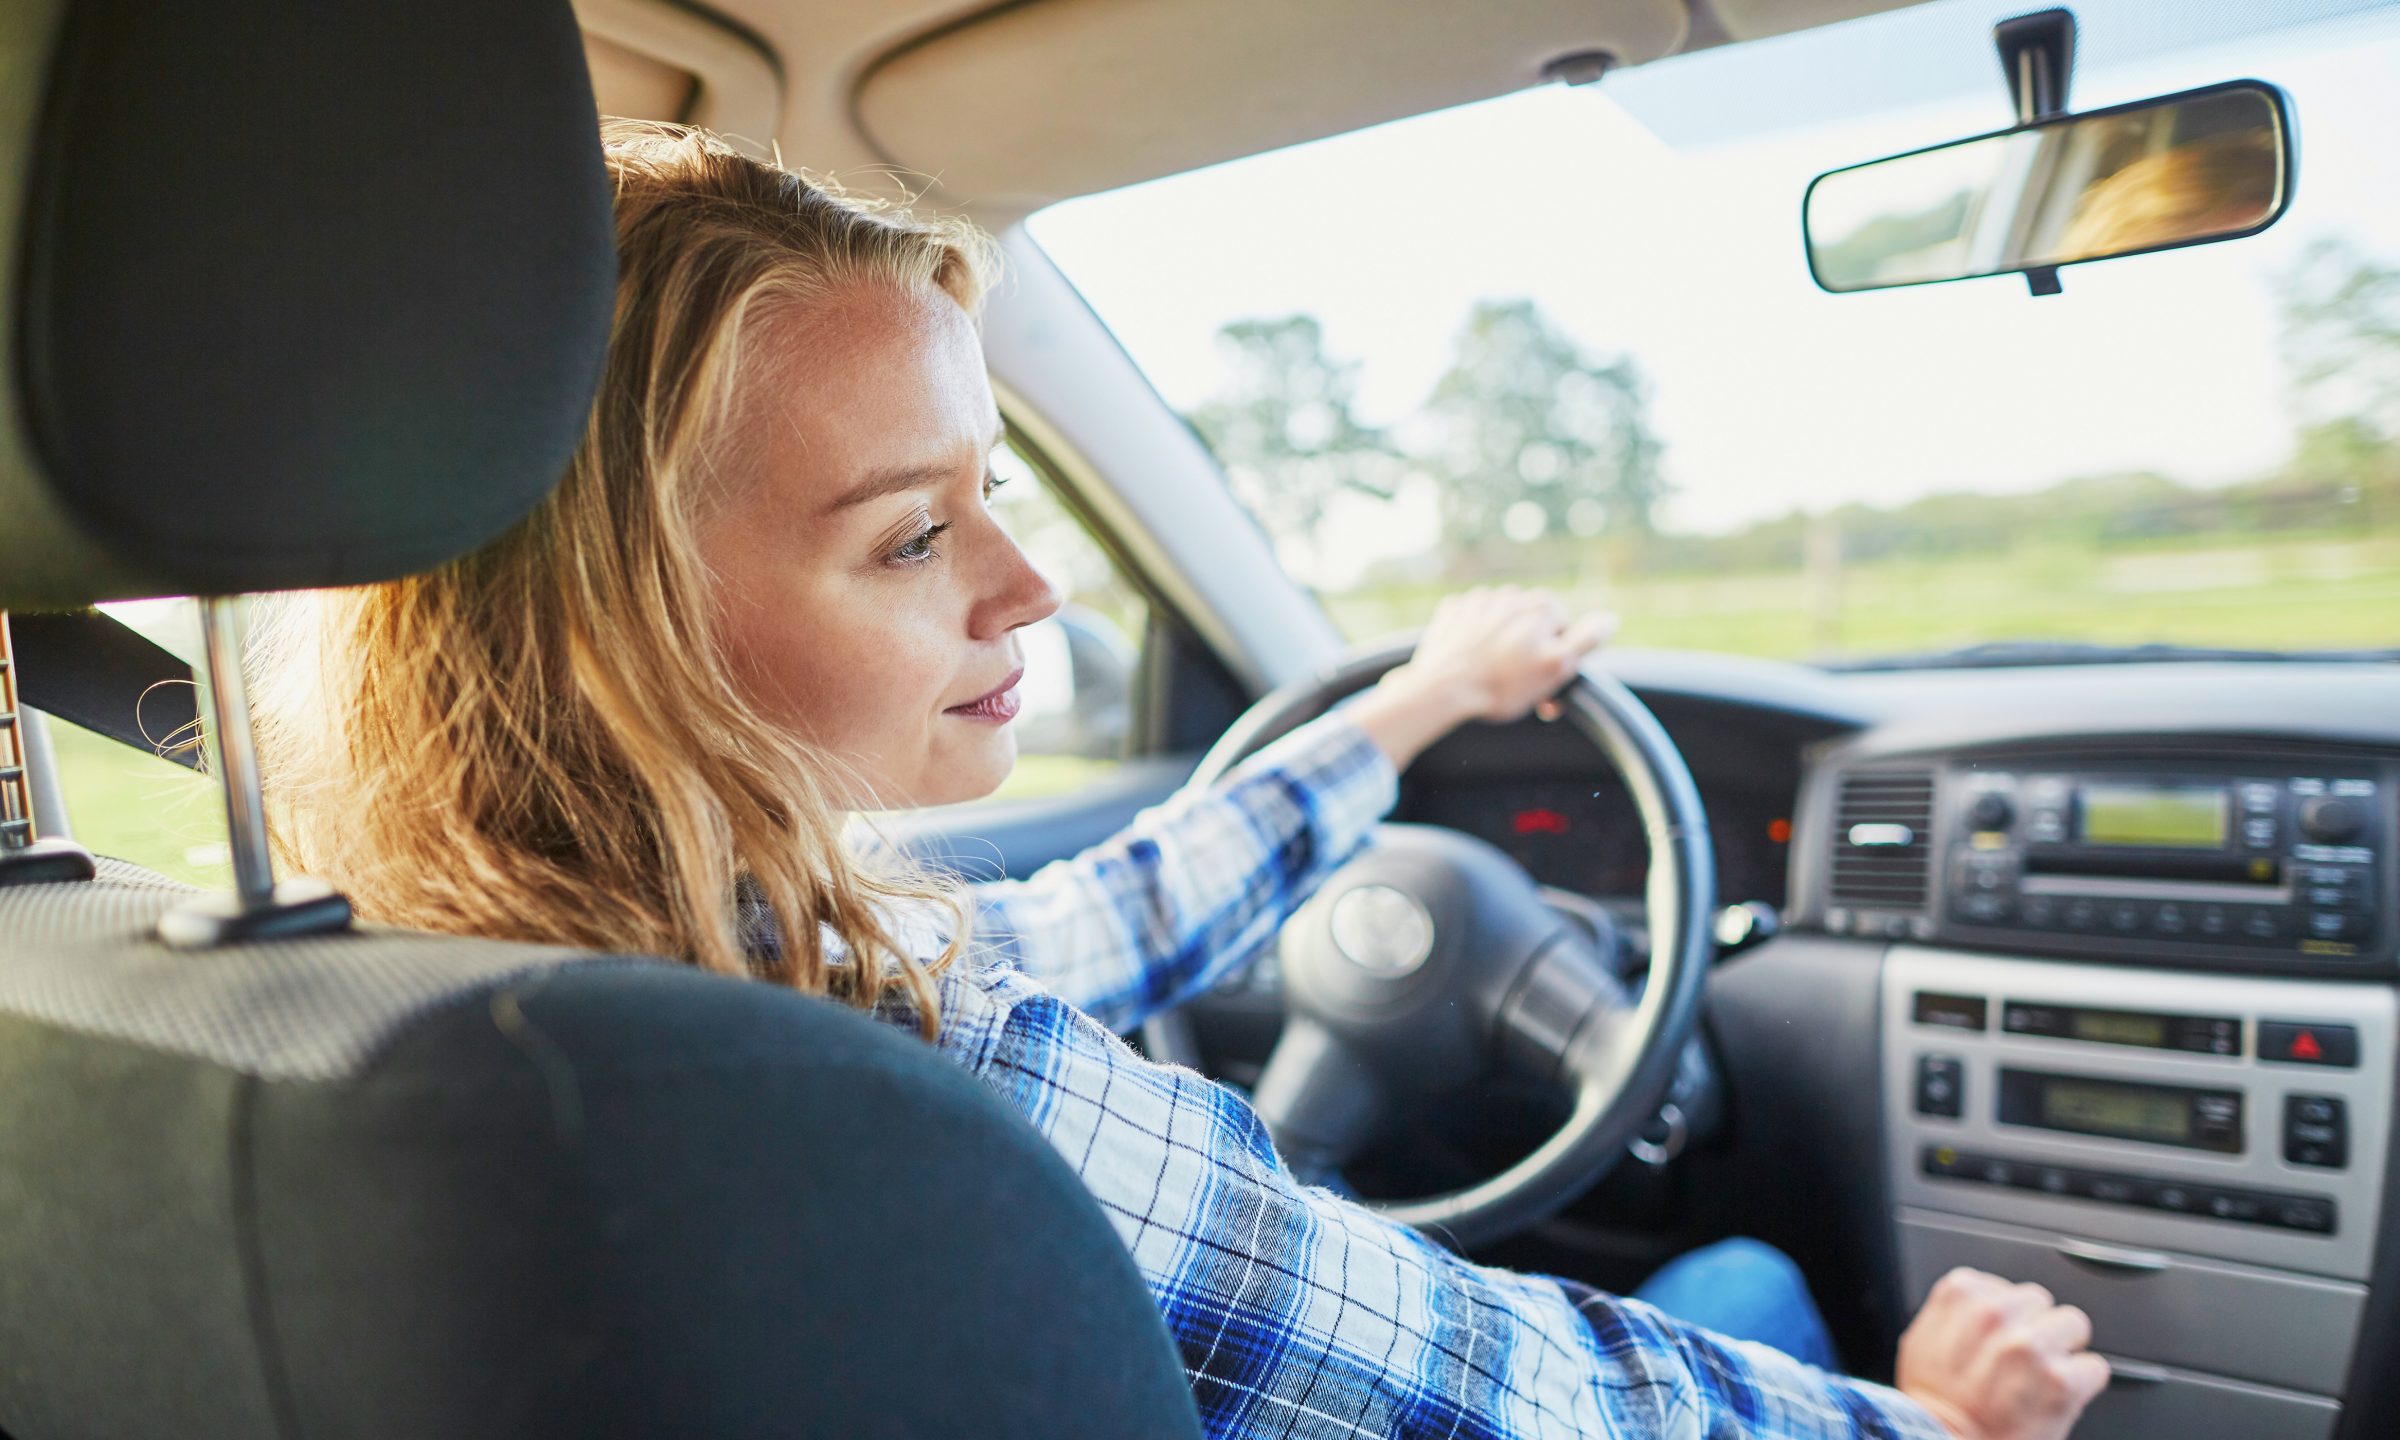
957,101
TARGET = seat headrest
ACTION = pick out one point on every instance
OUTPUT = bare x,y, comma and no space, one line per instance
298,293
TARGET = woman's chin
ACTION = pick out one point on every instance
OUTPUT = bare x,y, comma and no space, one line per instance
978,768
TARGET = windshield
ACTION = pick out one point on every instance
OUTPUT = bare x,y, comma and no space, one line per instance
1568,337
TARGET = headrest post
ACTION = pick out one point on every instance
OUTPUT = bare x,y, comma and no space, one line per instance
258,908
25,857
232,747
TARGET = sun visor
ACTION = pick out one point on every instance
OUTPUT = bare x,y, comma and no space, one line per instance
1034,103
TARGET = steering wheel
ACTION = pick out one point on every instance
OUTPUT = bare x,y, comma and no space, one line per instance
1430,960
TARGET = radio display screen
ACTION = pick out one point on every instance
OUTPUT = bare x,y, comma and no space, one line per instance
2123,1109
2177,817
2100,1109
2118,1027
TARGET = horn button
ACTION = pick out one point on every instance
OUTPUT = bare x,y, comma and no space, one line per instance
1411,955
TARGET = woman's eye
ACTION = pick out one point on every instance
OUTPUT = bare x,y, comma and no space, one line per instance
992,482
919,548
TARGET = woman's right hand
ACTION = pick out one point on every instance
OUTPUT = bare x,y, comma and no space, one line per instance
1996,1361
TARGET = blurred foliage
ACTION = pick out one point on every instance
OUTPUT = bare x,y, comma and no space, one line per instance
1283,427
1861,257
1532,437
1549,474
2341,322
1526,434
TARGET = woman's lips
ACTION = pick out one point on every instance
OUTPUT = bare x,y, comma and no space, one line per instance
997,707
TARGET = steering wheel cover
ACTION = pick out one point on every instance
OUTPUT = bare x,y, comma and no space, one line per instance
1629,1057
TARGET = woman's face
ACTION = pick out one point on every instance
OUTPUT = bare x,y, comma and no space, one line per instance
869,599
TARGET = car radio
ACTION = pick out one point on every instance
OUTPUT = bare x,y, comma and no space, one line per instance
2279,862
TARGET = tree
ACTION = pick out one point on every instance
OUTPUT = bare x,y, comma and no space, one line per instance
1532,437
2341,335
1284,430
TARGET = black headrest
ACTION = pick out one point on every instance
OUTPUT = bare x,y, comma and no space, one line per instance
305,293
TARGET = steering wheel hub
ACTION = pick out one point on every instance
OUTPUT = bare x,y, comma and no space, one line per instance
1381,930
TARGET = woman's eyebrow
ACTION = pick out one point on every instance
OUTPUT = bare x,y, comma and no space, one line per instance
907,477
887,482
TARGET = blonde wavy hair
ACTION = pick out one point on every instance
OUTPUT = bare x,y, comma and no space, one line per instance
544,740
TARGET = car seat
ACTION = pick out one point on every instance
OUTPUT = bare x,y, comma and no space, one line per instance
305,294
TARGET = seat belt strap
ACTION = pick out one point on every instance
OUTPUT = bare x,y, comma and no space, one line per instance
89,669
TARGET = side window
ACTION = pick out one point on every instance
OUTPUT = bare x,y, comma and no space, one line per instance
137,806
1081,665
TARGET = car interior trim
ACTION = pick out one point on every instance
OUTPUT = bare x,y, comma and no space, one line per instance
740,90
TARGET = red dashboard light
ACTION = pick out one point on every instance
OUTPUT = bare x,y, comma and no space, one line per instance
1539,821
1780,831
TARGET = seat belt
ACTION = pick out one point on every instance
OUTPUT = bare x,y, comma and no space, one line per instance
89,669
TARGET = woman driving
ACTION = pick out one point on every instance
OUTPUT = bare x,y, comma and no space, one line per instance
769,596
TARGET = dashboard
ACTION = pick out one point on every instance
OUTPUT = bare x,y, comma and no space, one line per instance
1541,794
2087,976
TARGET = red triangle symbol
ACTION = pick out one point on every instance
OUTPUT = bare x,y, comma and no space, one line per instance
2305,1046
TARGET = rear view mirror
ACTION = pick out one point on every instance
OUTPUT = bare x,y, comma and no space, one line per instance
2209,164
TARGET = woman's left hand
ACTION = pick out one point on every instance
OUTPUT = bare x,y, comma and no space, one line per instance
1491,653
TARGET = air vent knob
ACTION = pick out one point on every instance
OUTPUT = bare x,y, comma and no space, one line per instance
2327,819
1991,811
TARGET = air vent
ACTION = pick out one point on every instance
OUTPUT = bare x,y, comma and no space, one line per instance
1882,840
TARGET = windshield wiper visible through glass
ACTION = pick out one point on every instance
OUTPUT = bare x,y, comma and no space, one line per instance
2001,654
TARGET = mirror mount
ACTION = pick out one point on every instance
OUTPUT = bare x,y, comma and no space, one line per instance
2037,57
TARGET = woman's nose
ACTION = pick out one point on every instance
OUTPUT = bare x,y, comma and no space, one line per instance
1019,594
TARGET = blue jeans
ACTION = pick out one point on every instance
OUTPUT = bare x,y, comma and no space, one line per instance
1744,1290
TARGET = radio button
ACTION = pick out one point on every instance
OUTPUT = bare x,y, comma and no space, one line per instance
2258,832
2038,912
2125,919
2176,1196
1990,811
2259,797
2302,1212
2334,925
1951,1012
2207,1035
2265,922
2291,1042
1949,1164
2329,820
2082,915
1985,907
2170,919
2214,920
2236,1205
2107,1189
2316,1131
1941,1086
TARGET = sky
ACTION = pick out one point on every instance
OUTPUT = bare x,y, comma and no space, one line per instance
1661,219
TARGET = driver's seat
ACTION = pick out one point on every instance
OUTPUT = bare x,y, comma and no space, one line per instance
309,294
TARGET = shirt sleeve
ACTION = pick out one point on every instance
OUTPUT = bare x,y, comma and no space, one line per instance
1299,1313
1195,885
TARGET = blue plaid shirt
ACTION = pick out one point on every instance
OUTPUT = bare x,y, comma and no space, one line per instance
1300,1313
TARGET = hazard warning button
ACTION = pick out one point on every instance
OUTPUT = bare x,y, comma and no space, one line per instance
2301,1043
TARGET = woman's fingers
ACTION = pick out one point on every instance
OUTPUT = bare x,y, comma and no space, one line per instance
1510,646
1589,633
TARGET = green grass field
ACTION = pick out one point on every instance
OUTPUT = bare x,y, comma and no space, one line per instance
154,812
142,808
2289,594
